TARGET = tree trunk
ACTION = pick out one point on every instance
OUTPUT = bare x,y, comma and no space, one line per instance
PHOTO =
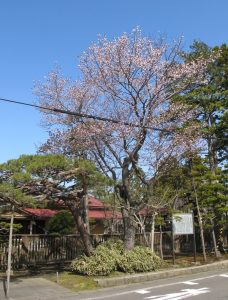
84,234
145,237
129,229
143,231
217,252
213,162
199,220
127,211
85,213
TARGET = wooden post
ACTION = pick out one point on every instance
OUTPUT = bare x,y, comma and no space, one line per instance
173,242
194,238
9,254
161,243
30,227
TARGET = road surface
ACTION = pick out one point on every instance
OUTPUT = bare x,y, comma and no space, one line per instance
203,286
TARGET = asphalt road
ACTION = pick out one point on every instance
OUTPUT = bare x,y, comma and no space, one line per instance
203,286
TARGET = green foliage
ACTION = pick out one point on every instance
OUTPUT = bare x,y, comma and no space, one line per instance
47,163
87,175
39,171
140,259
62,223
110,256
5,227
211,191
9,191
52,177
103,261
31,167
211,100
36,163
20,178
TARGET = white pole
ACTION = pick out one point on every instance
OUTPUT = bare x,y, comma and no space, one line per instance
9,254
152,232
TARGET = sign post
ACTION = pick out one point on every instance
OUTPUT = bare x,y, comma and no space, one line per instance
183,224
173,244
194,238
9,254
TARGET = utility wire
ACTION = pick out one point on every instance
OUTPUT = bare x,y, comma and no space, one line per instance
88,116
82,115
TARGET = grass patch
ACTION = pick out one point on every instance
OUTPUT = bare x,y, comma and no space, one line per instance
73,282
188,261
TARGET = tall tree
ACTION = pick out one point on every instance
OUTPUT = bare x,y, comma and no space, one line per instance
132,81
212,197
54,177
211,102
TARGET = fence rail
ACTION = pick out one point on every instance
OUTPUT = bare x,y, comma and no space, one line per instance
33,250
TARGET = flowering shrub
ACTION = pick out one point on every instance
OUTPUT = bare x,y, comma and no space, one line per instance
110,257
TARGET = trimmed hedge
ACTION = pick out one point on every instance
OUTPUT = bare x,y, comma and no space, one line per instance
110,256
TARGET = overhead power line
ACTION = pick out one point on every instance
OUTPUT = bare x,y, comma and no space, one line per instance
89,116
82,115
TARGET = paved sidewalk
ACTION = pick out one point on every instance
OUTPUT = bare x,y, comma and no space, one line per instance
34,289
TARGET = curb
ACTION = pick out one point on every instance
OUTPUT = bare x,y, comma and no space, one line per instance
137,278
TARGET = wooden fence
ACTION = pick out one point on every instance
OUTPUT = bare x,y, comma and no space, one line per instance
33,250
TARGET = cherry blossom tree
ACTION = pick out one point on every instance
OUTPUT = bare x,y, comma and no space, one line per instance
127,87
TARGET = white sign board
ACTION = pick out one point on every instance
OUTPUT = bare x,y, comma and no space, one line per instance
183,224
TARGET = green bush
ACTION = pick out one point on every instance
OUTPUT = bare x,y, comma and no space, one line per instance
62,223
110,256
102,262
140,259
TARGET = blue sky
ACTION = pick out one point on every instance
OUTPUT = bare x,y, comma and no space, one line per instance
36,35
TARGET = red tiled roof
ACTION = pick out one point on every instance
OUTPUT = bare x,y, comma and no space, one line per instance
93,214
41,212
93,202
144,212
100,214
97,210
149,211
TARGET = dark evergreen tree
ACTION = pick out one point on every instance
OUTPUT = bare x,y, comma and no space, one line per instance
211,101
52,177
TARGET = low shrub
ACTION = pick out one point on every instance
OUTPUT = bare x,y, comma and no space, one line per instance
98,264
102,262
140,259
110,256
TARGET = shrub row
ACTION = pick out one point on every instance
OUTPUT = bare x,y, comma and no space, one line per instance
111,256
